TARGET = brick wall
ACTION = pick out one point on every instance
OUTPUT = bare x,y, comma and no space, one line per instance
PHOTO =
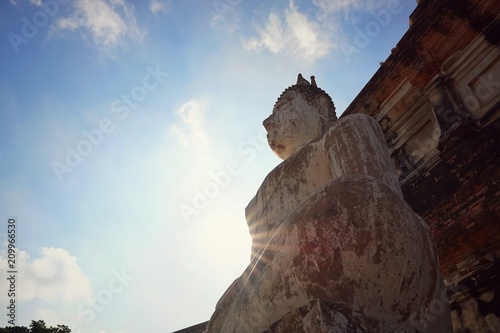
459,199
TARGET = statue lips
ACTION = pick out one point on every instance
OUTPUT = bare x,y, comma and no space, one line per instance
273,140
274,145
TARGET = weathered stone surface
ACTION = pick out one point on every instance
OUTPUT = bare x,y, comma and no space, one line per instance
367,255
437,98
315,317
193,329
330,225
321,317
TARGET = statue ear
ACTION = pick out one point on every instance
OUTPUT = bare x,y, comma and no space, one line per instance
321,127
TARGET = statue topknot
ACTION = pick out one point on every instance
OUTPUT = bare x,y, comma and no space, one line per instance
314,96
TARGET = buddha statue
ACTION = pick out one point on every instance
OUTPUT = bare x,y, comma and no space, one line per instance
335,248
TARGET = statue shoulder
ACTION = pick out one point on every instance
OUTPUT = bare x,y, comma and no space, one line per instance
354,122
356,145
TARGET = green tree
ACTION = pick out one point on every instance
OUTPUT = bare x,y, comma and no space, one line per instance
60,329
14,329
37,326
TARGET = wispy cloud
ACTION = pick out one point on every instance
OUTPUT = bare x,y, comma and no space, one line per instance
50,316
190,130
294,34
225,15
326,8
307,38
159,6
329,7
33,2
54,275
107,21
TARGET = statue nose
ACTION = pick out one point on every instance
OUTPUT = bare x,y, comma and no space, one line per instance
267,123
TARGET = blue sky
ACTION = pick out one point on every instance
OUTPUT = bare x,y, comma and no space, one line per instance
132,141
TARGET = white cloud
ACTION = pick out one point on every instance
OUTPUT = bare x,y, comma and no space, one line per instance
50,316
108,21
33,2
190,131
329,7
159,6
296,36
224,13
220,12
345,7
54,275
272,37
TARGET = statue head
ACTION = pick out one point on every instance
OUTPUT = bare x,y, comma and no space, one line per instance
302,113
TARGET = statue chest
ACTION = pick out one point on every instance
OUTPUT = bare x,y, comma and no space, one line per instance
285,187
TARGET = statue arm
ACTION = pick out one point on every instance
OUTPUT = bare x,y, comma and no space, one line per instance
331,250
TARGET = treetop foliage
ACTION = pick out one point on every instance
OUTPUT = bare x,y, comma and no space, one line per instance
37,326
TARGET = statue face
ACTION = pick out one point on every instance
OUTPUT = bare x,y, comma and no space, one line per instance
292,124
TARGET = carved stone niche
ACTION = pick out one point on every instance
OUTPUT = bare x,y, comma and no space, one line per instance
446,105
475,72
411,129
475,299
